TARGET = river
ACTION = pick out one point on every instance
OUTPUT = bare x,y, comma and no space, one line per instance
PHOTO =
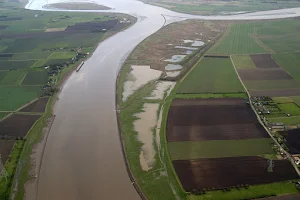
83,158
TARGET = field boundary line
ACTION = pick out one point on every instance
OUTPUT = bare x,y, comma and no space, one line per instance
259,120
216,44
22,79
260,43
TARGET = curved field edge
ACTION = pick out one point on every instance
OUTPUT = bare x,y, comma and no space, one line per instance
35,134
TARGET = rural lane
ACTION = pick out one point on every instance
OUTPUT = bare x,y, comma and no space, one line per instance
83,158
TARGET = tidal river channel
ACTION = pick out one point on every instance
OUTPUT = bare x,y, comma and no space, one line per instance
83,157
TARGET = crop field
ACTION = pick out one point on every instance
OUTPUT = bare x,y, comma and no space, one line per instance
92,26
291,108
3,114
238,41
5,148
35,78
62,55
289,63
282,99
228,172
296,100
264,61
8,65
37,106
8,126
293,120
272,85
211,75
212,119
219,148
292,140
13,97
12,77
31,55
264,74
56,61
243,62
275,93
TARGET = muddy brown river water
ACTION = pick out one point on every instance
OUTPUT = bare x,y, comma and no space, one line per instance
82,158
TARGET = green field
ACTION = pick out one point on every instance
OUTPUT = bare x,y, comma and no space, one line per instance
238,41
62,55
8,65
252,192
31,55
13,97
219,148
12,77
282,99
243,62
35,78
293,120
211,75
56,61
211,95
290,108
3,114
272,84
296,100
289,63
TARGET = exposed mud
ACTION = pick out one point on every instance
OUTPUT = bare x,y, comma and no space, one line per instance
138,76
161,88
144,128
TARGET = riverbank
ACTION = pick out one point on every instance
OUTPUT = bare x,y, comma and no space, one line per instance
77,6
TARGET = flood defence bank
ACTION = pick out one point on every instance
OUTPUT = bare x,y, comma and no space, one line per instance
97,117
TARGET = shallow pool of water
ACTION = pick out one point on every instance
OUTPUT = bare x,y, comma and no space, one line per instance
171,67
176,58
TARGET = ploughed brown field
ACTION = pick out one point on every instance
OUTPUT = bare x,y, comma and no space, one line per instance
264,61
264,74
37,106
17,125
212,119
228,172
292,140
5,149
275,93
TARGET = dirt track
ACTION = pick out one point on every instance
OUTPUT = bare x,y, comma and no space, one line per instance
228,172
212,119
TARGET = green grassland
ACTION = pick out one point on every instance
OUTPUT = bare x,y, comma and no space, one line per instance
13,97
3,114
62,55
238,41
289,63
211,75
243,62
272,84
293,120
290,108
9,65
31,55
220,148
252,192
12,77
296,100
211,95
282,99
35,78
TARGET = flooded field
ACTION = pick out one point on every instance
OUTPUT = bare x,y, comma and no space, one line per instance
137,77
161,88
144,128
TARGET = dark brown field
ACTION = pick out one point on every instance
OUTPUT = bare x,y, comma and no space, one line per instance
37,106
93,26
264,61
228,172
275,93
292,140
212,119
17,125
283,197
5,149
264,74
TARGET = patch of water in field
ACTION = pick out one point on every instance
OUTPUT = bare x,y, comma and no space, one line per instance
188,48
137,77
172,67
197,43
176,58
160,89
144,128
188,41
173,74
188,52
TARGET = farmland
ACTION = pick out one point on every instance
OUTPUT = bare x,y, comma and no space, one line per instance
211,75
292,140
37,50
243,62
249,170
219,148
